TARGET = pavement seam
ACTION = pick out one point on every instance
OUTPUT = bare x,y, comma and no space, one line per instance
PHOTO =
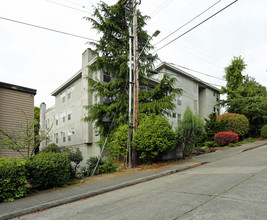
215,197
94,193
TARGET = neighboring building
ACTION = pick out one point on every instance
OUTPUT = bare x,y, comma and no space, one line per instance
65,119
200,96
16,111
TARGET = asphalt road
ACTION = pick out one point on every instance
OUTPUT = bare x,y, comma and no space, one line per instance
231,188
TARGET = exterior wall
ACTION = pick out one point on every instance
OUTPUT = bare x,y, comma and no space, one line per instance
17,110
199,97
65,119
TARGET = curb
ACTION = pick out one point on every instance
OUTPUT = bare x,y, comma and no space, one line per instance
94,193
251,148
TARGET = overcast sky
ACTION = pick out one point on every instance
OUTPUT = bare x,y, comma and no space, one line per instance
43,60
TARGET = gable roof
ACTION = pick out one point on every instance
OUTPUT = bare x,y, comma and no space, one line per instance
183,73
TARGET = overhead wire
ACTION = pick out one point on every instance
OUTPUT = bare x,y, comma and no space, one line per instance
197,71
160,8
48,29
194,18
66,6
195,26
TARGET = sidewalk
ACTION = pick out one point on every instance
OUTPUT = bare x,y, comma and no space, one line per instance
61,196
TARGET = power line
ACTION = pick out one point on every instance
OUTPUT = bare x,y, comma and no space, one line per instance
197,71
160,8
67,6
195,26
48,29
188,22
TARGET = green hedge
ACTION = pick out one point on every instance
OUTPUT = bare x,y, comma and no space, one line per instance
12,179
235,122
264,131
153,136
46,170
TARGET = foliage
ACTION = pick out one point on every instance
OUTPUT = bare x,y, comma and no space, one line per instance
264,131
36,129
75,156
104,166
153,136
22,140
118,144
12,179
212,126
226,137
51,148
210,144
245,96
235,122
48,170
189,130
112,52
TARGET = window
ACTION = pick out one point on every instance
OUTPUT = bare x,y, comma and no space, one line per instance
174,115
106,76
178,77
179,99
179,117
96,76
62,96
63,115
70,89
56,119
70,133
63,135
70,110
56,137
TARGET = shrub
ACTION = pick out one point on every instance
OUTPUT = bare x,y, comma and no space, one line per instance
48,170
264,131
51,148
75,156
153,136
104,166
190,129
212,126
225,137
235,122
12,179
118,145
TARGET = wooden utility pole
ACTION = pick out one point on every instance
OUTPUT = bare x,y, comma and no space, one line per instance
136,80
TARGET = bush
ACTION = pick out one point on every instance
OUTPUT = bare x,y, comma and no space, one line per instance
48,170
51,148
153,136
104,166
190,129
225,138
75,156
264,131
212,126
118,145
235,122
12,179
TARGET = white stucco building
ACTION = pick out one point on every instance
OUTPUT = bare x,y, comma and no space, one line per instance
65,118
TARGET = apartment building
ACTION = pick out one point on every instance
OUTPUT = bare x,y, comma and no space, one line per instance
16,111
65,118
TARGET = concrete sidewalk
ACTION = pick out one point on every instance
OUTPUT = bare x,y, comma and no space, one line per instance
61,196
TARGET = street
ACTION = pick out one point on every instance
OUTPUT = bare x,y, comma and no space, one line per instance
231,188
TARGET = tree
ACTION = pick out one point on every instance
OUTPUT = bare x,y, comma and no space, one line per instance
26,139
245,96
112,58
189,131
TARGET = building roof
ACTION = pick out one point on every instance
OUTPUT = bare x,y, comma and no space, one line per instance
17,88
67,83
183,73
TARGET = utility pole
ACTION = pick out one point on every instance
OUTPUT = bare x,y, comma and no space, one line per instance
136,80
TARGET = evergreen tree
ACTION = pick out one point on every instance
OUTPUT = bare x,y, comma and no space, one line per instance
112,57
